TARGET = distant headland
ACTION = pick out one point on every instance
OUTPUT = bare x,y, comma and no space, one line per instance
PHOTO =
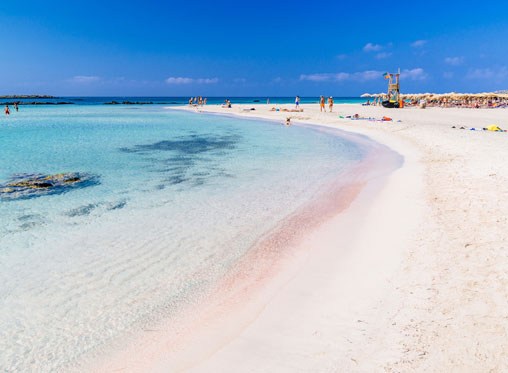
27,96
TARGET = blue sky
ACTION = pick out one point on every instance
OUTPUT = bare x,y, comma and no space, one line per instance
235,48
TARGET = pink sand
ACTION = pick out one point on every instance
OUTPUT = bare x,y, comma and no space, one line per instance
202,329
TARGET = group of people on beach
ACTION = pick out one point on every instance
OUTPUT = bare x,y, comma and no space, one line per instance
7,110
322,104
197,101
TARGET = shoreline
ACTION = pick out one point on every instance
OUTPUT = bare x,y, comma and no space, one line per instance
422,285
448,297
337,254
264,269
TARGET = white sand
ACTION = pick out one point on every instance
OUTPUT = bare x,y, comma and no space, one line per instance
410,278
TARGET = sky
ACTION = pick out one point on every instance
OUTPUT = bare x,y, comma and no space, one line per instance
250,48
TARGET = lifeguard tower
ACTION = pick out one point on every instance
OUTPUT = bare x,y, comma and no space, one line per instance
394,100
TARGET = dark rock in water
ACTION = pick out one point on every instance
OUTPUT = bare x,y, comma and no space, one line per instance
117,205
27,96
36,103
256,101
129,103
137,103
28,217
83,210
30,184
35,185
191,145
28,225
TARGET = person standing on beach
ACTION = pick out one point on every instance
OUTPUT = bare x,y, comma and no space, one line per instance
297,102
6,110
330,103
322,104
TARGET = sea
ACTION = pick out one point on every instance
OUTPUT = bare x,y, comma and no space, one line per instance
160,205
168,101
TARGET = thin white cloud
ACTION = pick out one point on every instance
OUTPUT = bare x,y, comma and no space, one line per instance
488,73
454,61
370,47
183,80
418,43
448,75
343,76
325,77
414,74
383,55
179,80
367,75
84,79
207,81
117,81
316,77
240,80
341,56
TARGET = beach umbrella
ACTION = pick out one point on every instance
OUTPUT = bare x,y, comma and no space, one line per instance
366,95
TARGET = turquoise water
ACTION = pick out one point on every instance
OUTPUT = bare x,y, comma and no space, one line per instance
178,199
168,101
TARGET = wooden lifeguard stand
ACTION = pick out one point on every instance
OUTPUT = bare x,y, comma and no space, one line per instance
394,100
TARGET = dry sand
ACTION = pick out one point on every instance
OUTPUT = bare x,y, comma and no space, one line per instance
412,277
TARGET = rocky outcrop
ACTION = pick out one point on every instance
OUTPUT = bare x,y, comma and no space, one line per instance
36,103
129,103
27,96
34,185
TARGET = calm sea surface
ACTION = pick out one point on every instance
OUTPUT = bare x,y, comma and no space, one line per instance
174,199
168,101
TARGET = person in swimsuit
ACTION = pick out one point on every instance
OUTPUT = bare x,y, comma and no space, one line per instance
322,103
297,102
330,103
6,110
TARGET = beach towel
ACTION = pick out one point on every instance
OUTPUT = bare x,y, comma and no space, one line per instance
493,127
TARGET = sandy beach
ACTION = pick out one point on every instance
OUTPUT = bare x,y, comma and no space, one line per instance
411,276
177,194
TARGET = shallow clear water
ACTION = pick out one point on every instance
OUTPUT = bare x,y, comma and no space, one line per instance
179,198
175,100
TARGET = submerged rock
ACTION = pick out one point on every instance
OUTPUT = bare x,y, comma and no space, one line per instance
35,185
129,103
